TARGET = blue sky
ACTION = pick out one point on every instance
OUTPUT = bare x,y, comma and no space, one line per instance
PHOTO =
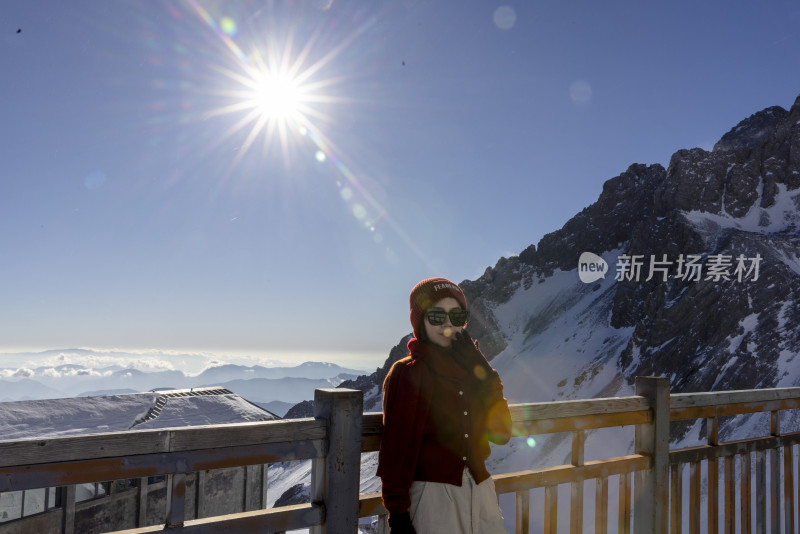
154,196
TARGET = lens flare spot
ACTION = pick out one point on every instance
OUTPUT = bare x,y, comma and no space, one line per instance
378,238
447,332
359,211
505,17
531,442
479,372
391,256
94,180
346,193
320,155
580,92
228,26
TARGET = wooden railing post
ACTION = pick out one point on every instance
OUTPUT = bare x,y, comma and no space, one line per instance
775,474
141,502
576,488
67,500
176,500
651,487
335,478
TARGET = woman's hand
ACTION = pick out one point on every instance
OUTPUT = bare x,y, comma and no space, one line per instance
468,355
401,524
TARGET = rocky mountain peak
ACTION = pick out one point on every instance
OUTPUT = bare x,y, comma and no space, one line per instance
742,174
736,206
752,130
625,200
794,113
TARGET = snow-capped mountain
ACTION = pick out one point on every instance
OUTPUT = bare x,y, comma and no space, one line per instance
702,283
694,274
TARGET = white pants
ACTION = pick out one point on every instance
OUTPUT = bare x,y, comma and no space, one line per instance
469,509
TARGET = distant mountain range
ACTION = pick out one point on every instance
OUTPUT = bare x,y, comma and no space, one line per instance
258,384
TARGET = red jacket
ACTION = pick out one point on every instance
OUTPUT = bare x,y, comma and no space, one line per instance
437,419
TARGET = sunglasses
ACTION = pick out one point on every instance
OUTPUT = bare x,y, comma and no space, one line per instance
436,316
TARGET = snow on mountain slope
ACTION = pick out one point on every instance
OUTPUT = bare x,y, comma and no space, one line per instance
285,476
777,217
558,336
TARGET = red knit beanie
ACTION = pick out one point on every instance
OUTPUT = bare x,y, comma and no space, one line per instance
428,292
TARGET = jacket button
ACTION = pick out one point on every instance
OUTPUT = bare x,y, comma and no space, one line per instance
464,458
465,413
466,435
460,392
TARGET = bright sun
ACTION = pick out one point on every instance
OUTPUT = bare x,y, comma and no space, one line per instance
271,90
277,97
272,102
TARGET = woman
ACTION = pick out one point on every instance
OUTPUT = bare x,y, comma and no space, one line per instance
442,404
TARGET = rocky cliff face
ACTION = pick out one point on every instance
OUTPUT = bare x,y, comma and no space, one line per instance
625,202
731,326
741,199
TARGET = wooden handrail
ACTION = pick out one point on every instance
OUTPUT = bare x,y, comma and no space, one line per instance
726,403
537,411
142,442
54,474
565,474
273,520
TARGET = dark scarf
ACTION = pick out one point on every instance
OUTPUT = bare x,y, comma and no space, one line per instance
442,361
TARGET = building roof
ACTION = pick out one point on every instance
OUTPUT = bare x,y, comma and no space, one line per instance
134,411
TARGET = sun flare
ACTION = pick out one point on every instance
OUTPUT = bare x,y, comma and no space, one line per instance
272,104
275,88
269,88
277,97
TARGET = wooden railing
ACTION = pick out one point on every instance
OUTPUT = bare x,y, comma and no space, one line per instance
648,411
650,481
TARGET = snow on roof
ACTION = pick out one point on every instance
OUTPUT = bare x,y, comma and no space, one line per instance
115,413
